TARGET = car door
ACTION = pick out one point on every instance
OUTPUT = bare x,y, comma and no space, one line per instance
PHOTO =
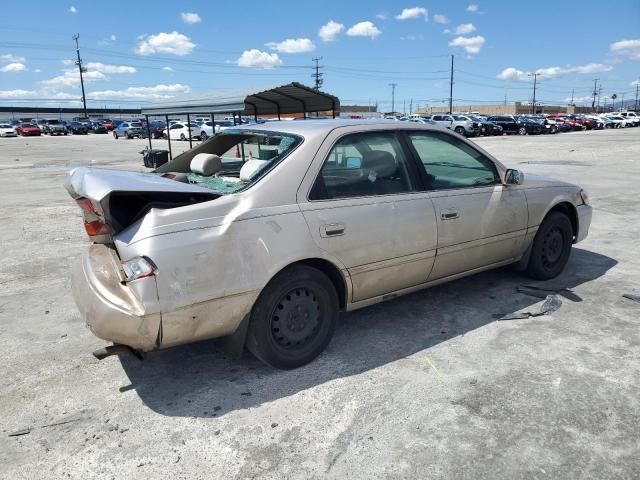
364,210
481,222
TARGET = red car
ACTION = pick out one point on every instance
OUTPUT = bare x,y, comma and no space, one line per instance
28,130
569,121
108,124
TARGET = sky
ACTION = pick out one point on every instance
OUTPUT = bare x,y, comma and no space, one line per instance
142,51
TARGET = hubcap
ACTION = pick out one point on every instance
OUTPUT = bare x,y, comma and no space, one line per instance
296,319
552,247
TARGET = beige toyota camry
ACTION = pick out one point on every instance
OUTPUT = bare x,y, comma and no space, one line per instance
264,233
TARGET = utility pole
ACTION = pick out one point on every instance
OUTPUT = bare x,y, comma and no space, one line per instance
81,70
410,106
451,88
595,90
622,102
637,85
572,90
599,95
393,97
535,80
317,75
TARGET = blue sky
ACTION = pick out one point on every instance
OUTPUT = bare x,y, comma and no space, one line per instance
139,51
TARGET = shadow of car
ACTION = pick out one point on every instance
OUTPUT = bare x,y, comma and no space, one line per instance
199,380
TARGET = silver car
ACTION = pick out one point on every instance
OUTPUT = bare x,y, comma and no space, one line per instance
264,233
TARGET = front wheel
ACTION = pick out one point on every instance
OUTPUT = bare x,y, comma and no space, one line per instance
115,135
203,136
551,247
294,318
182,137
522,131
459,131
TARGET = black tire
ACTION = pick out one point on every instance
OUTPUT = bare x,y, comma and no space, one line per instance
115,135
129,137
551,247
203,136
294,318
182,137
522,131
459,131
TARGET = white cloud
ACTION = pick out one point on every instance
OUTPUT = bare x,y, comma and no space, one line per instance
635,83
413,38
630,48
16,93
364,29
67,61
110,40
330,31
190,17
71,78
37,70
14,67
105,68
464,29
411,13
471,45
473,8
12,58
580,100
441,19
292,45
382,16
255,58
73,9
167,69
156,91
512,73
174,43
446,30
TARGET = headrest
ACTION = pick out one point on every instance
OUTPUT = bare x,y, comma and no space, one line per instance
206,164
250,168
380,162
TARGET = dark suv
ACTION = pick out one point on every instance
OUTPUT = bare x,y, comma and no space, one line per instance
511,126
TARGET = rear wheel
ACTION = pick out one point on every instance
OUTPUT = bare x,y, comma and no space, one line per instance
551,247
182,137
294,318
522,131
203,136
115,135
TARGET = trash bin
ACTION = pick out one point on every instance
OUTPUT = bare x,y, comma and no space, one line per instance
155,158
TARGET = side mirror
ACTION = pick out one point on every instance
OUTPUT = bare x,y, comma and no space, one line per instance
513,177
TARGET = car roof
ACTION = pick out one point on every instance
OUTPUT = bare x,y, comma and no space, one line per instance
318,127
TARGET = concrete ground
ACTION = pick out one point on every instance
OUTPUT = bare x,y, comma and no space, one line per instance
425,386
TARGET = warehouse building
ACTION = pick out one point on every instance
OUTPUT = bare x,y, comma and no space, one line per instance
515,108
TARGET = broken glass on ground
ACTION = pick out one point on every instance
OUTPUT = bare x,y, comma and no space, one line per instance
551,304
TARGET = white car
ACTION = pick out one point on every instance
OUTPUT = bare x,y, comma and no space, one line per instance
630,117
7,130
621,122
206,128
180,131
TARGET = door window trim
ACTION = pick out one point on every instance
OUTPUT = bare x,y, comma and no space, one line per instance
414,173
423,171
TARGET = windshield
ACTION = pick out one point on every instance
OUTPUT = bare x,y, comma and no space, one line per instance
246,156
53,122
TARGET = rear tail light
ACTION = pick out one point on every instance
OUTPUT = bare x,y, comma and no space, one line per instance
138,267
584,196
93,219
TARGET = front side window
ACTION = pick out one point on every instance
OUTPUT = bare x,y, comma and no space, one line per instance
450,163
363,164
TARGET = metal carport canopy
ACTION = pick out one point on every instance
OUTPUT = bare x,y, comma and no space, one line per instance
275,100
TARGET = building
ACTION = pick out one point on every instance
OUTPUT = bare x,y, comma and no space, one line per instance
17,112
515,108
359,111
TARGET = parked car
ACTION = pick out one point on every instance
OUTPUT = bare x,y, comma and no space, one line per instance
77,128
567,120
345,215
458,123
53,126
206,128
548,125
486,127
128,130
99,128
28,130
180,131
511,126
7,130
619,122
630,117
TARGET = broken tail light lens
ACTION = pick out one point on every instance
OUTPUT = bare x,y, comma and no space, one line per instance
93,220
138,267
584,196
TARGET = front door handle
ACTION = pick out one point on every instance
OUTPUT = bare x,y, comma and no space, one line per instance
332,230
449,214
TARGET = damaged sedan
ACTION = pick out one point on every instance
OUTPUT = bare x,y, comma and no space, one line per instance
264,233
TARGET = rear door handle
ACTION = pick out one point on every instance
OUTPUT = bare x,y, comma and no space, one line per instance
449,214
332,230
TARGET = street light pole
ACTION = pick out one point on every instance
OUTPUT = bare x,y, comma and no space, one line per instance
535,80
393,97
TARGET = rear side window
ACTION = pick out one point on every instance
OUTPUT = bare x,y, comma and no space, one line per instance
450,163
363,164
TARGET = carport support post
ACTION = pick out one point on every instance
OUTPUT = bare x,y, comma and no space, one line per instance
166,118
148,130
189,128
213,125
